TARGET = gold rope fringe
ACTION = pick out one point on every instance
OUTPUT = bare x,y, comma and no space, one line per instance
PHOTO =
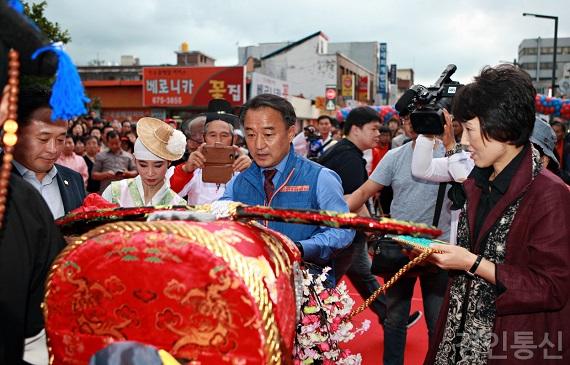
424,255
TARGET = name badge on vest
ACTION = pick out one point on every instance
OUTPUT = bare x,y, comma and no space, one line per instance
295,188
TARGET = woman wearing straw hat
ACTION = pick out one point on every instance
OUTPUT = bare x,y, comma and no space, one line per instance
157,145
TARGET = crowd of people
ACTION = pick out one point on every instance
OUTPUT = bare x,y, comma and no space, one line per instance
494,182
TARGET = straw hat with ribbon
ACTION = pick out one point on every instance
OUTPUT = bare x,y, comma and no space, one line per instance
160,139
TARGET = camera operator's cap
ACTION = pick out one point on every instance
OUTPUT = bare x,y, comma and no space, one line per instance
160,139
220,109
543,135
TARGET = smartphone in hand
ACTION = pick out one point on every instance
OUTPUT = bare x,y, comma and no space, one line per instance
218,167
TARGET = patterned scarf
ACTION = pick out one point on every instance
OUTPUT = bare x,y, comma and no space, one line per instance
467,341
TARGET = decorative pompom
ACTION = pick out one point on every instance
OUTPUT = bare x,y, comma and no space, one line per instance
16,5
68,97
176,143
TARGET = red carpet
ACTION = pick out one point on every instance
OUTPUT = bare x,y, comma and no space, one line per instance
370,345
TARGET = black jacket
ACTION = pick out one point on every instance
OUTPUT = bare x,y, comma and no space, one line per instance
29,242
71,187
348,162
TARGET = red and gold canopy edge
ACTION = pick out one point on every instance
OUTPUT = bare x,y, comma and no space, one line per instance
85,219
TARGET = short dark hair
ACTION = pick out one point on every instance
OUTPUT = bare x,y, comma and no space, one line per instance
69,135
558,124
359,117
32,98
502,97
384,129
112,134
274,102
324,116
89,137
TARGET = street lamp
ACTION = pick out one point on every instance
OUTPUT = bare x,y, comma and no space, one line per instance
555,18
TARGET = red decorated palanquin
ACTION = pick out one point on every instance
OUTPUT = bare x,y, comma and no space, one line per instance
213,293
206,290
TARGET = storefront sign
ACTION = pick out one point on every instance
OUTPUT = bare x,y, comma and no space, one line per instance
261,84
192,86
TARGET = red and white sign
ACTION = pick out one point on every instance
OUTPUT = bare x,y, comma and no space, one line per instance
192,86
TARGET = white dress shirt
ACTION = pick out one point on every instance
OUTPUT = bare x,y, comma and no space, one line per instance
48,188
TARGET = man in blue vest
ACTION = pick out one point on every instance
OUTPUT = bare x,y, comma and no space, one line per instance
282,179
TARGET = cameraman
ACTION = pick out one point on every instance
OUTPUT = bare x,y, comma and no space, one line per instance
414,200
456,166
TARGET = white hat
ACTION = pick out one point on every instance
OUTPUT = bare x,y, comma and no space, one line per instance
142,153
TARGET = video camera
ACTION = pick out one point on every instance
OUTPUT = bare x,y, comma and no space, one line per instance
425,105
311,134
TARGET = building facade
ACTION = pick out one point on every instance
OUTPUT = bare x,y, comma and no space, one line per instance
312,63
535,56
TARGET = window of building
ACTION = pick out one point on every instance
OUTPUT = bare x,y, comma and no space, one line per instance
550,50
528,66
546,66
528,51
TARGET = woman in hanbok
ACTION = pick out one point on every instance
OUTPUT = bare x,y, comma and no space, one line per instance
157,145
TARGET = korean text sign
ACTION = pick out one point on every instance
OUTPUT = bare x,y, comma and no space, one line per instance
192,86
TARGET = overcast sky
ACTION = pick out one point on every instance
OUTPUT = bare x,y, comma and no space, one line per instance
424,35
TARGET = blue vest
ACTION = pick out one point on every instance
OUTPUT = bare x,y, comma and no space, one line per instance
296,189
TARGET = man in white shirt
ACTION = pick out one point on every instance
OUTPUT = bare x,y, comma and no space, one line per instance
325,127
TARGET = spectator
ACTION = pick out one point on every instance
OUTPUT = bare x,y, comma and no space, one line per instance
560,132
132,137
361,130
77,130
126,127
91,150
40,142
324,125
401,138
105,131
116,125
512,249
195,133
193,129
393,126
543,138
337,134
88,120
69,159
562,150
382,147
282,179
96,132
218,130
157,145
98,123
113,165
79,146
127,145
457,131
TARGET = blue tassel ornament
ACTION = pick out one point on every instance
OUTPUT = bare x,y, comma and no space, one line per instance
16,5
68,96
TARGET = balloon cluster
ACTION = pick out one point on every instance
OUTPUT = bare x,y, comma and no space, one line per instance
555,106
385,112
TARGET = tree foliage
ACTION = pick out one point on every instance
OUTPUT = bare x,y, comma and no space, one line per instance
52,30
